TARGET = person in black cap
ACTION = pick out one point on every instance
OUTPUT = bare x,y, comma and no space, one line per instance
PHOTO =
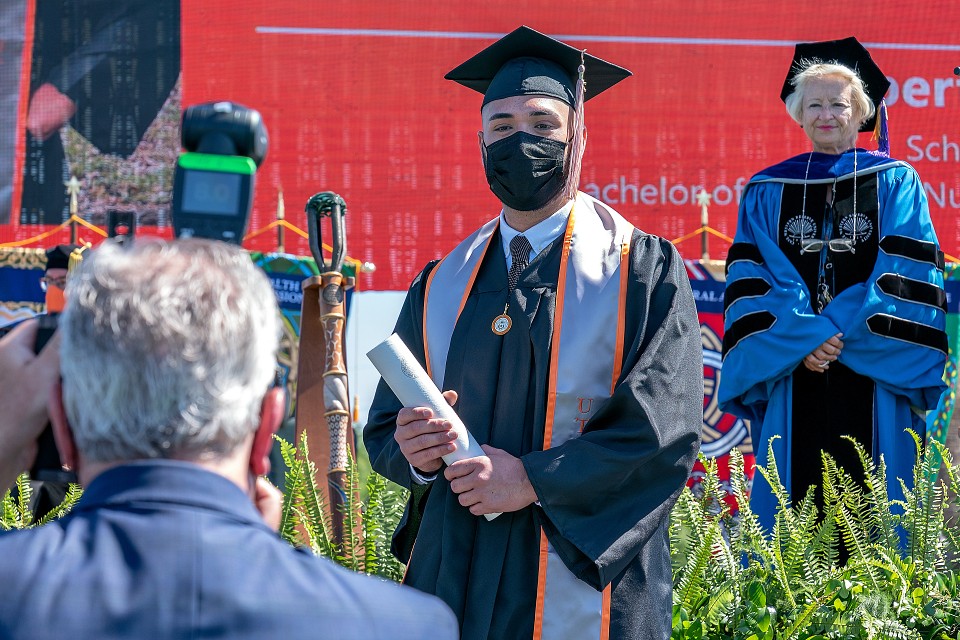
54,279
569,344
834,305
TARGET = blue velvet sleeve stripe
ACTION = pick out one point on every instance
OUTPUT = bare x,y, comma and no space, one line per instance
743,251
744,288
746,326
916,333
898,286
912,249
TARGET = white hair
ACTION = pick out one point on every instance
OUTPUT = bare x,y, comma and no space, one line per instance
862,104
168,348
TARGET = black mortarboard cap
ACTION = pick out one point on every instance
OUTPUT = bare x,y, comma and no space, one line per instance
848,52
58,257
527,62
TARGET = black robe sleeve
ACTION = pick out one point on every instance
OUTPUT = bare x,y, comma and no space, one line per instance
607,492
385,455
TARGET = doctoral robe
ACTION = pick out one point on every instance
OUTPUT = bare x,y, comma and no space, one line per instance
605,496
781,303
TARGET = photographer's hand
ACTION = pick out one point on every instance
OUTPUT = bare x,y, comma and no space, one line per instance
25,383
269,502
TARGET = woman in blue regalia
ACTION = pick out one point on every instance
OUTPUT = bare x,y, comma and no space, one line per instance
834,310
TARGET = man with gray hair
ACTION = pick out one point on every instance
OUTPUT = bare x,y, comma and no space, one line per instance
166,412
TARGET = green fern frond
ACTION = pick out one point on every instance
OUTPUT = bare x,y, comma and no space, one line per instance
15,510
292,496
384,509
16,506
750,539
686,520
7,512
771,473
368,527
913,517
857,545
887,629
24,494
785,521
807,615
824,548
800,544
70,498
881,522
721,603
353,550
314,517
373,534
288,452
691,587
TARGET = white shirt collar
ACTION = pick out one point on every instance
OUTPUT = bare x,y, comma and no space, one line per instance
540,235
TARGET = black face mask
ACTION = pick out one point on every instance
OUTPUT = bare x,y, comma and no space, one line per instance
524,170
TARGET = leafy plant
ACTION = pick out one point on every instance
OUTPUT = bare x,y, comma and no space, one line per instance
368,524
733,579
15,512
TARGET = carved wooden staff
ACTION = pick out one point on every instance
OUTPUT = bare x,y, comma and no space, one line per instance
336,400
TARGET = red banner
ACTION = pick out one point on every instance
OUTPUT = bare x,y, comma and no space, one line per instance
355,102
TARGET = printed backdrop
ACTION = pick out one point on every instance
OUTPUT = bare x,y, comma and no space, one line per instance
354,99
355,102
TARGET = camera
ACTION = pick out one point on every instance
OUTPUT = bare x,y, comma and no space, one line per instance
47,466
213,181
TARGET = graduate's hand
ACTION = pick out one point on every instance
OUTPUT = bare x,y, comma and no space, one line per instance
423,439
495,483
26,382
819,361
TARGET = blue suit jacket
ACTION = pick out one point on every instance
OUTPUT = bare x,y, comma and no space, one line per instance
169,550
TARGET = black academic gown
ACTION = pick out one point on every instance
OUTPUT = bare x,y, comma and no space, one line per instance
605,495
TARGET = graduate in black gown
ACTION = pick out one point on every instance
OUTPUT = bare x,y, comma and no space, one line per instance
572,343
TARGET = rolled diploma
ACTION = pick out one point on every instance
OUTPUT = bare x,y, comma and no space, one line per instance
414,388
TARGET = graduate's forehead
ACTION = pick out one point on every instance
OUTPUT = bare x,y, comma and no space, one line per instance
525,107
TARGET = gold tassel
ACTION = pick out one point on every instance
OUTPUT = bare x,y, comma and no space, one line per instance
76,257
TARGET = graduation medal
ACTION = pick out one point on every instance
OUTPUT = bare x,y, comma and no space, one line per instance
502,323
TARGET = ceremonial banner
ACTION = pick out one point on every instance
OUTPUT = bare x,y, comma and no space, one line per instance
722,432
20,294
286,273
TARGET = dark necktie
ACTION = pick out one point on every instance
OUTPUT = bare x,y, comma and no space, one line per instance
520,254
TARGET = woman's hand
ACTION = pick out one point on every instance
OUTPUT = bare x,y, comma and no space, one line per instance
821,357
